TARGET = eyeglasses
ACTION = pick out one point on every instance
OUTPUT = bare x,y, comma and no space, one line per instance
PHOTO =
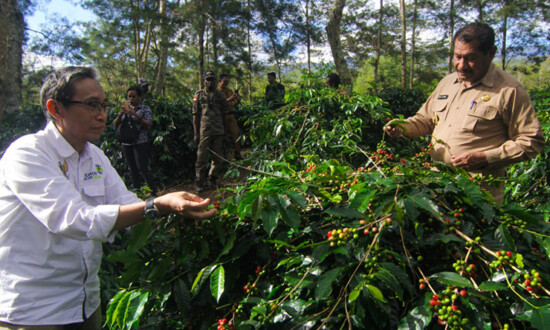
96,106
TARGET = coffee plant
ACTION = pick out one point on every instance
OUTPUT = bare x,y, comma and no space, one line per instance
338,227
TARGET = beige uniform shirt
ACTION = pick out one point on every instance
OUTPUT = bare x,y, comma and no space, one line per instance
494,116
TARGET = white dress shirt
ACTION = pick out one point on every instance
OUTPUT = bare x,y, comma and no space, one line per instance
56,208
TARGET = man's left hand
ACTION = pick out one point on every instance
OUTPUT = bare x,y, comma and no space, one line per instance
470,161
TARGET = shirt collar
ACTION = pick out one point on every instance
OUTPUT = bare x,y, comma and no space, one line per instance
63,148
487,80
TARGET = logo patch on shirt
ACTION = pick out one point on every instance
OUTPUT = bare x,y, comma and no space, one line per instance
94,174
64,168
442,97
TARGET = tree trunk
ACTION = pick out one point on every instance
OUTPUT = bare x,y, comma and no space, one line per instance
451,35
201,30
480,10
249,57
163,58
308,39
503,51
403,45
11,45
413,38
378,45
333,35
141,46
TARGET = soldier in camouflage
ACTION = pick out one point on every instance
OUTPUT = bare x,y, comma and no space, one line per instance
209,110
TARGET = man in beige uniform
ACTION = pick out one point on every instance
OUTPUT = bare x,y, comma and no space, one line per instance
482,117
230,120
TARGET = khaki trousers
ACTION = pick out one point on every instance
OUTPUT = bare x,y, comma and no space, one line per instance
91,323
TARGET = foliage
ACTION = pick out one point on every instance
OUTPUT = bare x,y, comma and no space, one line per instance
173,151
19,123
529,183
313,240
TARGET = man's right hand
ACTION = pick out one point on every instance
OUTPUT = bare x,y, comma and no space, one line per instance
393,130
189,205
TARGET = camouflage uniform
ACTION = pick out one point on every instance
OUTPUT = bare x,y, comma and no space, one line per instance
211,108
275,95
231,121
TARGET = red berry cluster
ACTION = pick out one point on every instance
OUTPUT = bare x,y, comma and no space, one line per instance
311,168
425,151
448,312
532,282
503,258
250,288
381,155
341,236
223,324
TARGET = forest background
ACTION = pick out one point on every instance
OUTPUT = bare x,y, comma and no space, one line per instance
373,44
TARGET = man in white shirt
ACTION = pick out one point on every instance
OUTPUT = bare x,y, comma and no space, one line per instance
60,198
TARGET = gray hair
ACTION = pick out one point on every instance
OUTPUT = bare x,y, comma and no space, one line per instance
59,85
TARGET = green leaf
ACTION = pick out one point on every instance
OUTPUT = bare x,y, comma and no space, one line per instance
362,198
451,278
290,216
492,286
113,305
355,292
423,201
201,278
502,235
417,319
269,220
345,212
538,317
181,295
390,281
324,285
135,308
140,235
375,292
217,282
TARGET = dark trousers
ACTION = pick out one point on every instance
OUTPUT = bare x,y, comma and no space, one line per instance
207,143
137,158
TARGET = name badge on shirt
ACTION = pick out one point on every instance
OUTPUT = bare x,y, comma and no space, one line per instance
442,97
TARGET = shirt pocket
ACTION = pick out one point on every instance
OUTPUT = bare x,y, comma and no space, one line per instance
94,193
480,119
439,109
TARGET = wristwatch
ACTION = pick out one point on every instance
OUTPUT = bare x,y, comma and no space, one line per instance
151,211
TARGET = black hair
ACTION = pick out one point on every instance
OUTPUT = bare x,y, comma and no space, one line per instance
138,90
59,85
477,31
273,74
224,75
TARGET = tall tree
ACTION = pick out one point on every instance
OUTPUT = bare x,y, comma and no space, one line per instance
277,23
402,10
160,72
378,41
333,35
451,35
11,44
413,40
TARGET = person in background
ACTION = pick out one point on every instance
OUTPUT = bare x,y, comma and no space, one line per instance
60,198
333,81
230,120
137,153
209,111
480,118
274,92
